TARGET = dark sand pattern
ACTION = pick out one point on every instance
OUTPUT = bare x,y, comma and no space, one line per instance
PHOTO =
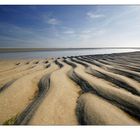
87,90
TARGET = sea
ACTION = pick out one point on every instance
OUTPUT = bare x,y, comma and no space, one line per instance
62,53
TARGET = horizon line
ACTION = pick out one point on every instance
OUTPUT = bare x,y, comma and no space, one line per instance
58,49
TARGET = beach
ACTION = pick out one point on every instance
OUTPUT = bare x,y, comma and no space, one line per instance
76,90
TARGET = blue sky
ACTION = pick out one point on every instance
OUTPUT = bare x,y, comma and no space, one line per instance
69,26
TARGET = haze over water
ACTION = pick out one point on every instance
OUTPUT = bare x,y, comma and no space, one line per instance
45,54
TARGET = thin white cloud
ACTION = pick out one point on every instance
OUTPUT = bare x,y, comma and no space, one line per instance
49,18
69,32
94,15
86,31
53,21
84,37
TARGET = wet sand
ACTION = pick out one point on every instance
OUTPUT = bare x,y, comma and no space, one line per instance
80,90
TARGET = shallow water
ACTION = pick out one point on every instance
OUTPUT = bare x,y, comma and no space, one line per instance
45,54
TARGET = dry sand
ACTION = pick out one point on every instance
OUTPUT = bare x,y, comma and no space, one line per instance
92,90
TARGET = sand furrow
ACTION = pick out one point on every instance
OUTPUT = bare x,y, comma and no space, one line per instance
26,115
16,75
90,89
120,81
94,110
89,112
127,73
119,97
121,65
6,85
20,94
58,107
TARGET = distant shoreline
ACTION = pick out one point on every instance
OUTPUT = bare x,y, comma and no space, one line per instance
5,50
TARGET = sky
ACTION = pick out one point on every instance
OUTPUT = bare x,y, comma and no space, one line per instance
69,26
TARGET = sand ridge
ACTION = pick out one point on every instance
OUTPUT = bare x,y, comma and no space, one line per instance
89,90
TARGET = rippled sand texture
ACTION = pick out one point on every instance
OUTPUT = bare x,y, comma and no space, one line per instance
87,90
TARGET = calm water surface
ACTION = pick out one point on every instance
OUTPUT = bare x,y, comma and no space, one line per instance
45,54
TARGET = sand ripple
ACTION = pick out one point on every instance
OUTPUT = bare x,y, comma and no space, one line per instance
87,90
